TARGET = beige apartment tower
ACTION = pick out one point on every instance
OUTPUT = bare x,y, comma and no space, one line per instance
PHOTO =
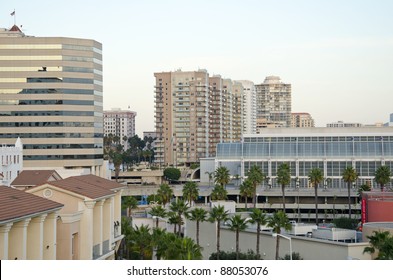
193,113
51,97
302,120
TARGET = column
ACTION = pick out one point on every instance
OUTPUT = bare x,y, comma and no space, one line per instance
35,238
86,231
50,234
98,229
18,240
4,238
108,225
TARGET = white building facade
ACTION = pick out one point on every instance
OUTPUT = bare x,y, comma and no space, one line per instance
249,107
120,123
11,162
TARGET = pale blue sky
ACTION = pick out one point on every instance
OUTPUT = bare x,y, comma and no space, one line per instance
338,55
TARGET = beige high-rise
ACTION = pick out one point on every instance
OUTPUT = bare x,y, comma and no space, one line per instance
51,97
194,112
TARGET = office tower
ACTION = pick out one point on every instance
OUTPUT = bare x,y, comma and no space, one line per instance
194,112
249,108
120,123
302,120
274,102
51,97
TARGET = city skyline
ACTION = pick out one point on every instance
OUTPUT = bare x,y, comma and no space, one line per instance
335,57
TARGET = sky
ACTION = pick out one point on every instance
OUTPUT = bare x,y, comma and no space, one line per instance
338,55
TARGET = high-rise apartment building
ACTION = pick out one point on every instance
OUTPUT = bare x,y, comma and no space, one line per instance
249,108
120,123
274,102
51,97
302,120
194,112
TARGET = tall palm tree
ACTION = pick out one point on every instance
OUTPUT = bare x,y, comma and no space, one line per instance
165,194
140,243
218,215
117,160
382,176
159,212
219,193
258,217
246,190
349,176
175,220
180,208
283,179
316,177
198,215
237,224
190,192
276,222
221,176
256,176
210,174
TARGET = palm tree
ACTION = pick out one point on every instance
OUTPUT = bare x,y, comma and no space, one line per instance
210,174
382,176
381,242
276,222
117,160
165,194
283,179
349,176
190,192
219,193
159,212
180,208
221,176
246,190
218,215
316,177
363,188
237,224
198,215
256,177
258,217
174,219
129,203
141,242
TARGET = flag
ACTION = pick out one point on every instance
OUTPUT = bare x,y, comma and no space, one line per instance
13,13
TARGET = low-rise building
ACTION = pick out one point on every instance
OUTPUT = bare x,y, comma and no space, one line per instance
28,226
11,162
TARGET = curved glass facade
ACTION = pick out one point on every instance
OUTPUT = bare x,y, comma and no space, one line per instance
52,83
362,148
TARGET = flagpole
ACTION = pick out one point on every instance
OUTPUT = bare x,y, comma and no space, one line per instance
14,17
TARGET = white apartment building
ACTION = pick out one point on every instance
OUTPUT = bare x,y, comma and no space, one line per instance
249,107
11,162
120,123
302,120
274,103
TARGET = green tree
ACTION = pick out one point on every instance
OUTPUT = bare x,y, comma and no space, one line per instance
382,176
363,188
258,217
218,215
129,203
180,208
190,192
141,242
237,224
276,222
164,194
283,179
381,242
316,177
172,174
159,212
256,176
246,190
210,174
174,219
349,176
219,193
117,160
198,215
347,223
221,176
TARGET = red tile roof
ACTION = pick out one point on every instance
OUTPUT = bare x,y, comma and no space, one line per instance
81,187
15,28
15,204
33,177
100,182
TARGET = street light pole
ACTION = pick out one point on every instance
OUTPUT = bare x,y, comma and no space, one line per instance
276,235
